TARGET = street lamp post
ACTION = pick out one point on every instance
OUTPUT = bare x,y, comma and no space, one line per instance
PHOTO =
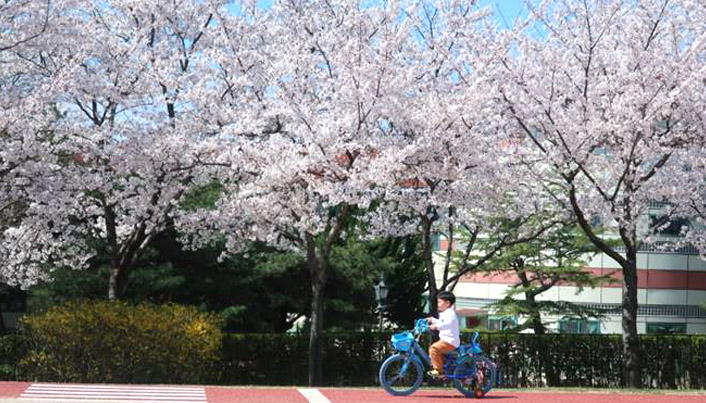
381,291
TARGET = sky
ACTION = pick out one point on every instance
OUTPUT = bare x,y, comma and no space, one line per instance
505,11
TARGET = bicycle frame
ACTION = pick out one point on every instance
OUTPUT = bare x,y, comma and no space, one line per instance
423,354
416,353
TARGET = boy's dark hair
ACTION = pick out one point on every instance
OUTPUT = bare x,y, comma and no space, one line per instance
447,296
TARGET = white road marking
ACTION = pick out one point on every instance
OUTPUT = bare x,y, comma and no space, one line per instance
114,393
313,395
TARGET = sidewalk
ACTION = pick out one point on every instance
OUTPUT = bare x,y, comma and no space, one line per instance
19,392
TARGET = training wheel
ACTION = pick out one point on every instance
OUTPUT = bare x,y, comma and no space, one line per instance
478,393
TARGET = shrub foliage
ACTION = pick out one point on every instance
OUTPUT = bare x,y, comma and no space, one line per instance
117,342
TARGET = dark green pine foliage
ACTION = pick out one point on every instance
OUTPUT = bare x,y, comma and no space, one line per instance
262,290
556,258
356,268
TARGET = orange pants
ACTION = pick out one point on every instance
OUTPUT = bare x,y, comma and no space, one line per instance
437,351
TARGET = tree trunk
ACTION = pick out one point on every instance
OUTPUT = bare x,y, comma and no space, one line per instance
535,321
316,333
318,267
429,264
317,270
535,318
537,325
117,283
631,341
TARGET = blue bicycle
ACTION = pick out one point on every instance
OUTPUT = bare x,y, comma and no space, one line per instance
472,373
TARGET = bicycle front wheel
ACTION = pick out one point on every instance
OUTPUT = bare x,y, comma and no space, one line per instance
400,375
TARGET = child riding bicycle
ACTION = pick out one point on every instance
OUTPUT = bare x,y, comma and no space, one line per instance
447,325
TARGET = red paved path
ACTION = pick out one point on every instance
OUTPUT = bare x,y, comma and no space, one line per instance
450,396
335,395
254,395
12,389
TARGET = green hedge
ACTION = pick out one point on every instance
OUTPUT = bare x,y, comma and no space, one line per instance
264,359
595,360
11,350
96,352
351,359
527,360
116,342
674,361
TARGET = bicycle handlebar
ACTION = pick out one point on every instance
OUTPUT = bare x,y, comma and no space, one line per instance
421,326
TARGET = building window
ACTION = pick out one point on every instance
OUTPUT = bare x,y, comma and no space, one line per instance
471,322
435,242
666,328
673,226
579,326
502,322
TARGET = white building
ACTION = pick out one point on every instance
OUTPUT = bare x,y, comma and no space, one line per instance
672,289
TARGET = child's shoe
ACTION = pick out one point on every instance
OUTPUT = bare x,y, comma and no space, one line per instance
435,374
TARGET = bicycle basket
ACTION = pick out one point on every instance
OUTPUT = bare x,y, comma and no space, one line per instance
402,341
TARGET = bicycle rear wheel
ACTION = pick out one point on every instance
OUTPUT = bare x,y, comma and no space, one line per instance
480,375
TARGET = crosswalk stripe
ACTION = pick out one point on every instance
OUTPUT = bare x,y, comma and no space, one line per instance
134,392
149,392
97,400
117,387
313,395
114,393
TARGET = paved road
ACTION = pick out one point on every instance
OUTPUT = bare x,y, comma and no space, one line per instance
18,392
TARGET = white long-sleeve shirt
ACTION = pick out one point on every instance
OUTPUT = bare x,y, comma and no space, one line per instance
447,324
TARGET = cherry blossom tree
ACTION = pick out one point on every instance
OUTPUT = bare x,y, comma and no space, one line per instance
30,57
328,79
469,198
609,97
127,139
449,172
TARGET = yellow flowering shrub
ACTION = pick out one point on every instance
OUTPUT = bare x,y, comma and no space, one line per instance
119,342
